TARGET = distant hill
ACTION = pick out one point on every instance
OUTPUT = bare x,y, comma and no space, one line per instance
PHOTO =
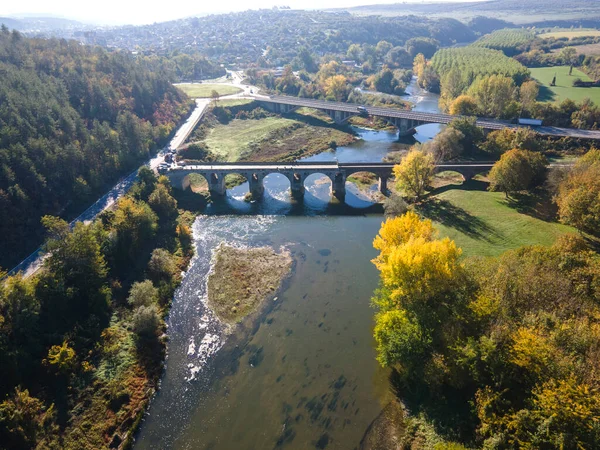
41,24
516,11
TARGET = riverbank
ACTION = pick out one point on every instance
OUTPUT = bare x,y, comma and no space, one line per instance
245,132
243,278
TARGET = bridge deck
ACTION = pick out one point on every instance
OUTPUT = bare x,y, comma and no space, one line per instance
489,124
313,166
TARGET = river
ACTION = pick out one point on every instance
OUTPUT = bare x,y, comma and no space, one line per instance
301,373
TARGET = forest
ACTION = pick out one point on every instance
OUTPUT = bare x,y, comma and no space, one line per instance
73,119
82,341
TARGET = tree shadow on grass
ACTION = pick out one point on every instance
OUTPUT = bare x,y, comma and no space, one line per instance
537,204
318,122
452,216
546,94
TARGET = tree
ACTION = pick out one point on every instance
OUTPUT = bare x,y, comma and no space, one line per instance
25,421
578,197
74,285
494,95
452,85
528,92
446,145
426,46
162,203
214,94
336,87
162,265
398,57
500,141
62,358
146,325
419,64
134,224
354,52
517,170
142,293
568,56
414,174
383,47
464,105
472,134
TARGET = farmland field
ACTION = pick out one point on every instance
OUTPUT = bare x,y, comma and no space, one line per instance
564,85
506,40
570,33
479,61
588,49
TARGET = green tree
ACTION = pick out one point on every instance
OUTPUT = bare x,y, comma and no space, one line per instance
578,197
25,421
214,94
494,96
464,105
446,145
162,203
142,293
472,134
414,174
518,170
162,265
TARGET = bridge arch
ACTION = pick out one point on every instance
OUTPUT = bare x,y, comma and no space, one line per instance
319,185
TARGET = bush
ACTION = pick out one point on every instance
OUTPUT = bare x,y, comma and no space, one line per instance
142,294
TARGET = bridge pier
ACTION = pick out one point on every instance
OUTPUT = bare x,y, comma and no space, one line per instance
338,186
216,185
339,117
297,186
383,185
256,186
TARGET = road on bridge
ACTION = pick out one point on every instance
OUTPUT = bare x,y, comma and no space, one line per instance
490,124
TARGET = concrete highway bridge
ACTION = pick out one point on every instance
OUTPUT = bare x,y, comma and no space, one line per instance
405,120
298,172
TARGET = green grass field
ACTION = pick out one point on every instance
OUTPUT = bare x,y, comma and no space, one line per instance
564,85
484,223
201,90
228,102
570,33
229,141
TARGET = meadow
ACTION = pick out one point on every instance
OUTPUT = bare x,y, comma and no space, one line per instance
201,90
486,223
564,85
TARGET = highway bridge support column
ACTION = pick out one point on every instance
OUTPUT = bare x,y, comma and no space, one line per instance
338,186
297,186
383,185
216,184
257,188
405,128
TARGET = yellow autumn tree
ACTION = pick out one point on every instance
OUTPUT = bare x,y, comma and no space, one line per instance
62,358
414,173
335,87
396,231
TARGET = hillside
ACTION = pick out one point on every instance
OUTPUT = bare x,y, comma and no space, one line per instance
275,37
516,11
73,119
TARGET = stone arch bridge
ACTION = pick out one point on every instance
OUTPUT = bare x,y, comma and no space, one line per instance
297,173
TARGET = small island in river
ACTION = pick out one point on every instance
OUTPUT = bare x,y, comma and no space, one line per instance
242,278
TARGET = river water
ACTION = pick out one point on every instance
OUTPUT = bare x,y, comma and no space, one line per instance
302,372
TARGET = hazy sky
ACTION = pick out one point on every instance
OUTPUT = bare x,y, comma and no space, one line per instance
148,11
